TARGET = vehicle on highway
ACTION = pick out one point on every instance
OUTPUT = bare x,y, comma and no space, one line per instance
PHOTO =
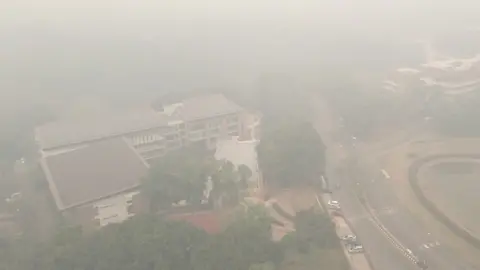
355,248
14,197
333,205
422,264
350,238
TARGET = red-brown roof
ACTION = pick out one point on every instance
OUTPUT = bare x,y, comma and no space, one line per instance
209,221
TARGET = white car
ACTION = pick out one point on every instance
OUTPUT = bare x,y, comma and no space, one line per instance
333,204
355,248
349,238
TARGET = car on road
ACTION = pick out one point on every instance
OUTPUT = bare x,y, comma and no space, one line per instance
355,248
333,205
349,238
422,264
14,197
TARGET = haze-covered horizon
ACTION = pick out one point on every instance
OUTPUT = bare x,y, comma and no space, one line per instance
55,50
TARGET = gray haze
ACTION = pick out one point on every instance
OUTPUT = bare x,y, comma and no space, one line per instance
52,49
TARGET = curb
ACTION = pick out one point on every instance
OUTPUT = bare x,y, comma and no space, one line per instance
365,254
393,240
431,206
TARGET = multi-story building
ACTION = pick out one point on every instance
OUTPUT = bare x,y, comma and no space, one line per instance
203,119
94,167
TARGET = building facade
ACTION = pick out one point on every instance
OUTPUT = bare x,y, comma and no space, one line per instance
158,141
152,134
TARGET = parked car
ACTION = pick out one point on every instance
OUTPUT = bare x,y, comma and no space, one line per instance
355,248
422,264
350,238
333,205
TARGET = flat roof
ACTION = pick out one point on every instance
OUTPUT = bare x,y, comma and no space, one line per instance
59,134
93,172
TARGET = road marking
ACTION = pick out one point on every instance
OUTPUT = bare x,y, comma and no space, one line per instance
392,239
430,245
384,211
385,174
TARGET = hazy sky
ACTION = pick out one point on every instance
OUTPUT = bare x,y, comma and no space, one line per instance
50,47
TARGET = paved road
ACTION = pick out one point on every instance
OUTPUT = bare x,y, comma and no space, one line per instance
379,249
401,223
382,253
365,177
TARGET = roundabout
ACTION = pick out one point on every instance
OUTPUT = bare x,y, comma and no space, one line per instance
448,187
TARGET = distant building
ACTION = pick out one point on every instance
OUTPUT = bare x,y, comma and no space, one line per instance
447,76
203,119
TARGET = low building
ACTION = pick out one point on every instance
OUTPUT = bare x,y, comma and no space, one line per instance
94,184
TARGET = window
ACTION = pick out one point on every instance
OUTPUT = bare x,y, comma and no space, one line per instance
232,119
197,126
232,127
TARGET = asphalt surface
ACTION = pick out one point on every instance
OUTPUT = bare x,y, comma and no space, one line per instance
378,248
400,222
402,237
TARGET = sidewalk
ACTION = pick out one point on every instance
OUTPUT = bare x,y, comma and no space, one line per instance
358,261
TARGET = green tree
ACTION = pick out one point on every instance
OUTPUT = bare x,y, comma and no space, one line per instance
227,182
181,175
291,154
245,174
245,242
315,229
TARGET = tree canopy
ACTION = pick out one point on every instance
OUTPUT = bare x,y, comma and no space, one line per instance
180,175
291,154
152,242
189,174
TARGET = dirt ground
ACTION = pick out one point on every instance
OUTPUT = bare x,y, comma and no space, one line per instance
397,162
294,200
291,201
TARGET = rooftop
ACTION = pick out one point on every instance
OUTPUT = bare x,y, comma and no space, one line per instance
93,172
209,221
59,134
